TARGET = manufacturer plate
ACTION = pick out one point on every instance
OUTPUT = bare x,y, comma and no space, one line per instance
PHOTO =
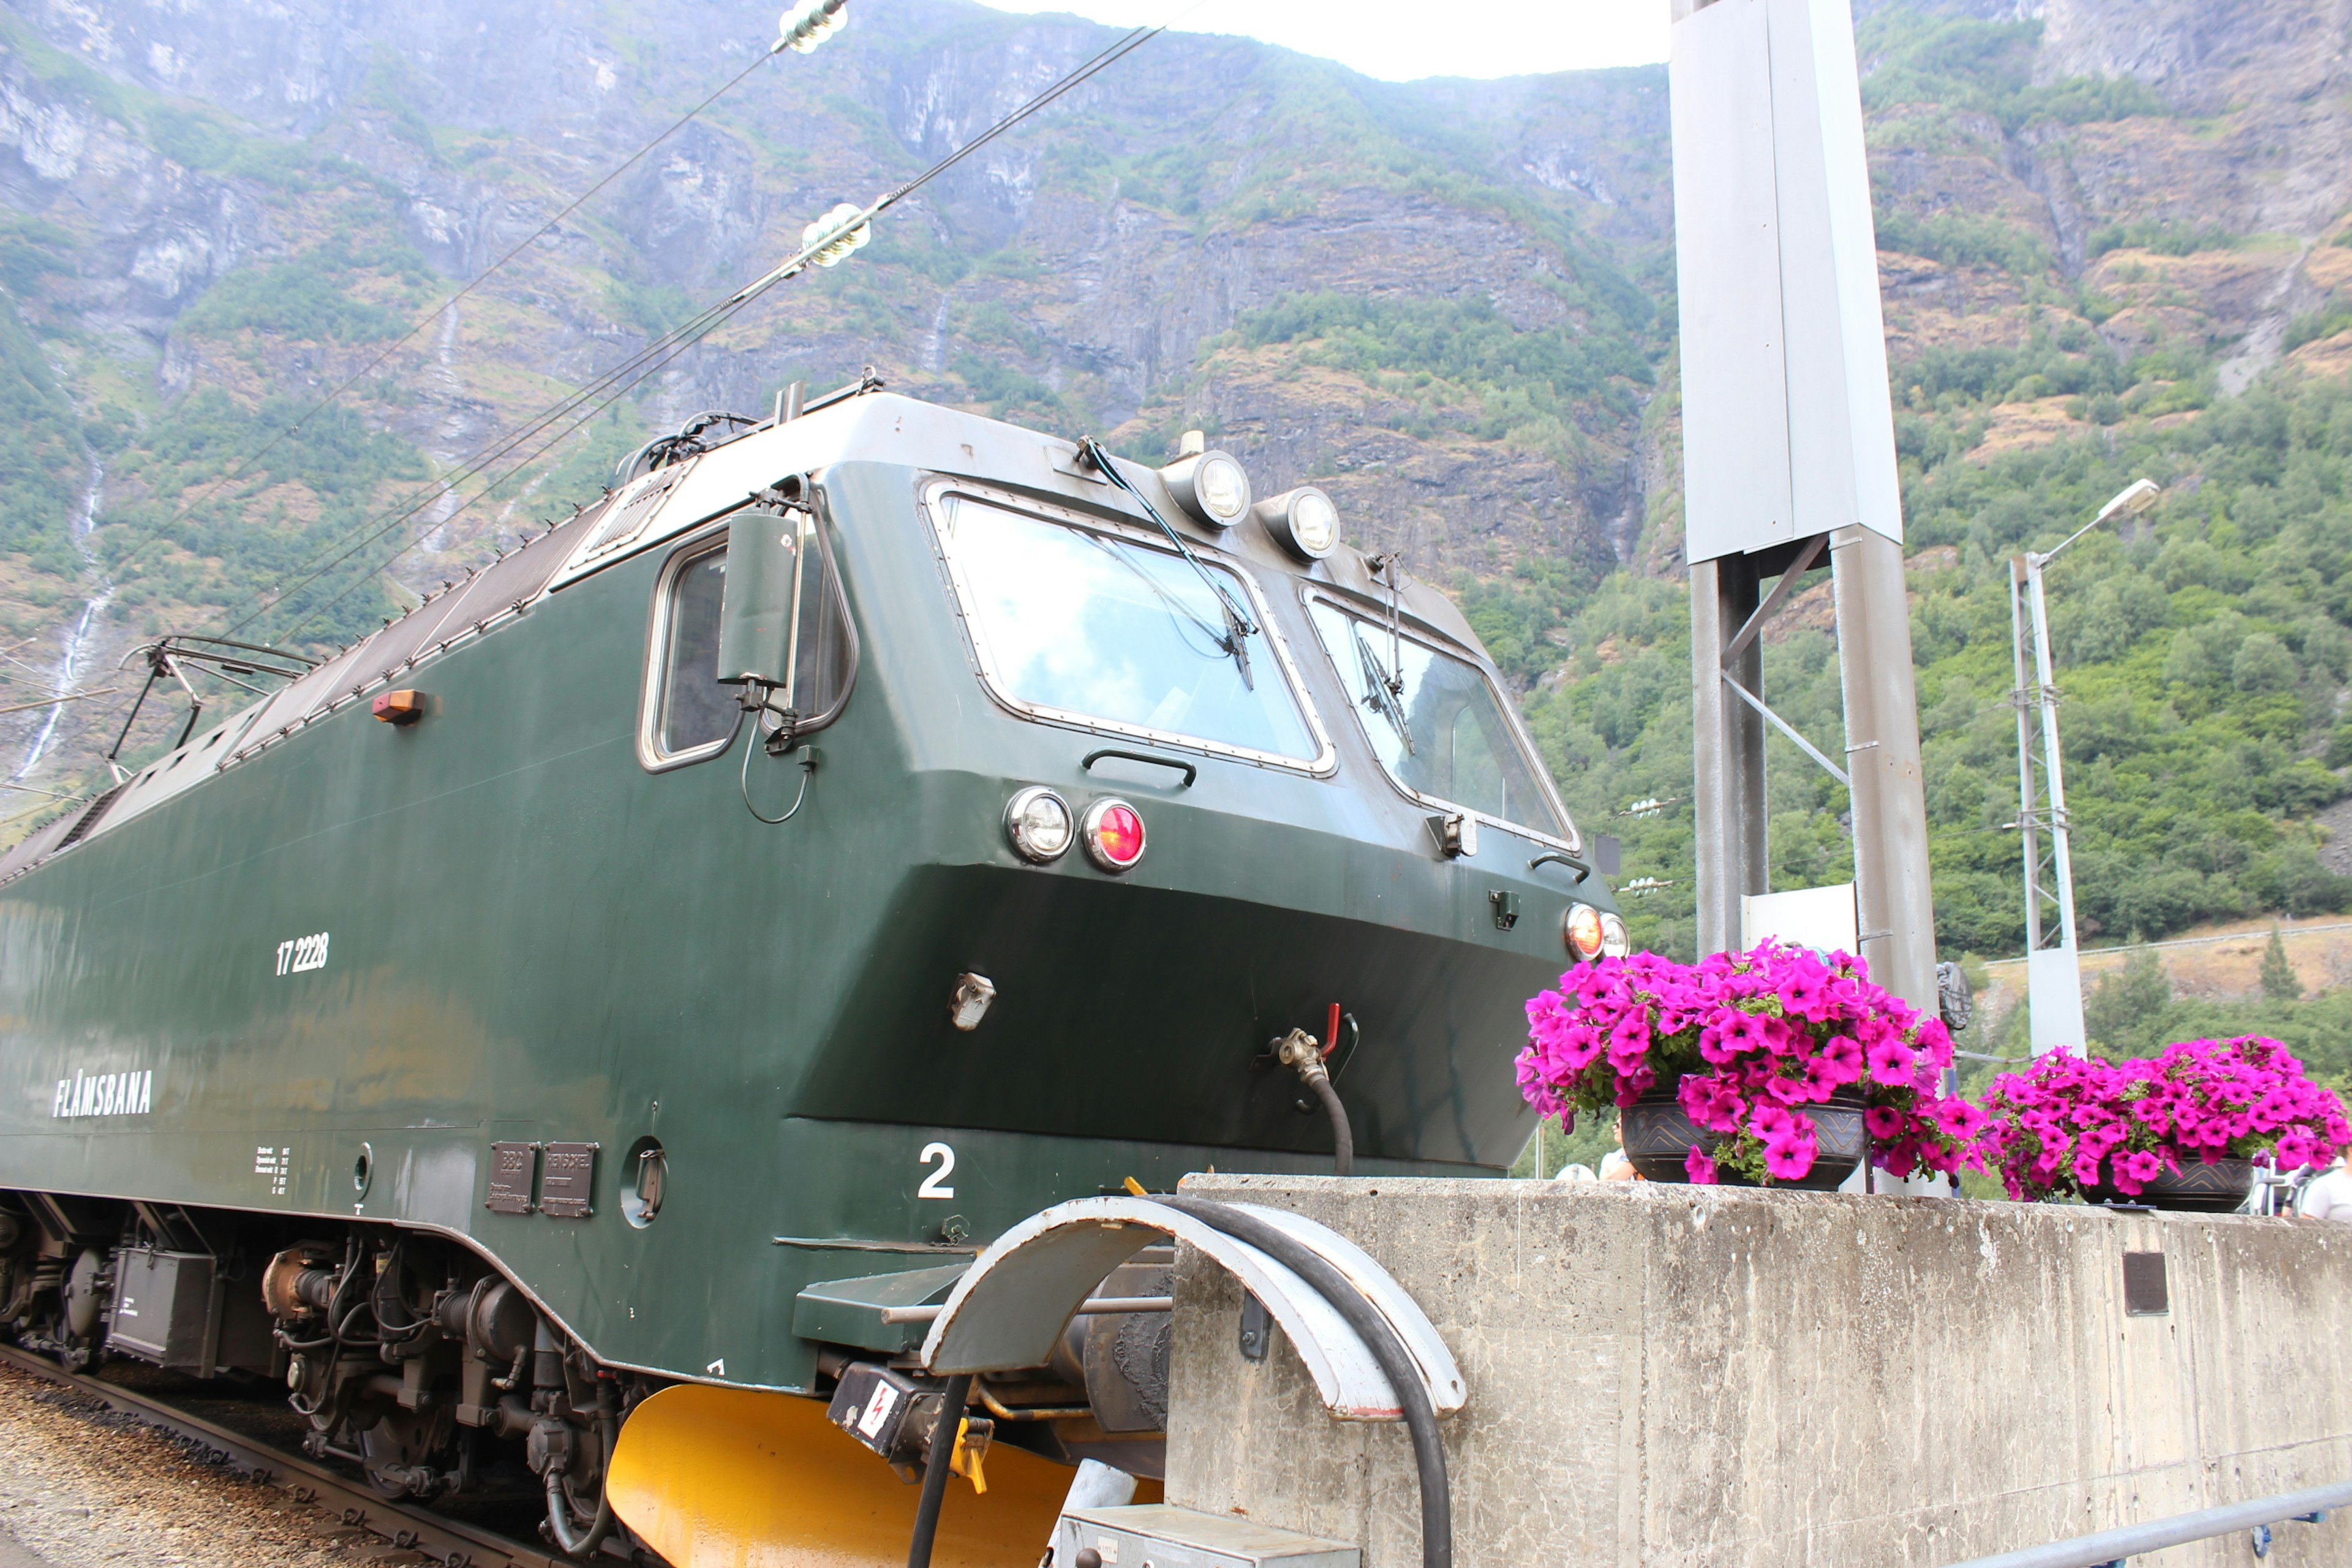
567,1181
513,1166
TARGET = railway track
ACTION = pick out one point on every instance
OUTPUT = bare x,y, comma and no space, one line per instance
446,1540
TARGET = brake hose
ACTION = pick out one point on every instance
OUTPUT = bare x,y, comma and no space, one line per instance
1306,1059
935,1469
559,1507
1298,1051
1379,1336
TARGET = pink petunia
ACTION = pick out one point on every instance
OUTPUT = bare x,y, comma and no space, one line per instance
1700,1166
1803,989
1791,1161
1958,1118
1890,1061
1629,1044
1841,1056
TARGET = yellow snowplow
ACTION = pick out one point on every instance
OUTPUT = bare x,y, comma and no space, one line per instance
731,1478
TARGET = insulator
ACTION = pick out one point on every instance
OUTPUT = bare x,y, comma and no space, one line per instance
831,242
810,23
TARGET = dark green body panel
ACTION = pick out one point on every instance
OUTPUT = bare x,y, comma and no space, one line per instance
533,938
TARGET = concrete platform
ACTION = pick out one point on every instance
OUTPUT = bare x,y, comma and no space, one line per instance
1726,1378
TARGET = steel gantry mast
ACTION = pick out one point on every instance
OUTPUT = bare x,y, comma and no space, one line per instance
1788,465
2053,980
2041,785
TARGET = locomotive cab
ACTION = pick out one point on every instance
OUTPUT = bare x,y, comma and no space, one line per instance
676,950
1133,794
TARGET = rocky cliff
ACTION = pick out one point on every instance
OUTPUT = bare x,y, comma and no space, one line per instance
217,213
1451,303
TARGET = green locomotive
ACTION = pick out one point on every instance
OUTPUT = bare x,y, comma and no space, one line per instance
510,1016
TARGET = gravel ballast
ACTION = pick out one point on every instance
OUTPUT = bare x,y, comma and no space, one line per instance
82,1486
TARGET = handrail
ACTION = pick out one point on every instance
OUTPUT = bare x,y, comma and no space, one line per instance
2111,1546
1179,764
1093,1307
1554,858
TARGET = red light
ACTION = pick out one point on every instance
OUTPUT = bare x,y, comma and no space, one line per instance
1114,834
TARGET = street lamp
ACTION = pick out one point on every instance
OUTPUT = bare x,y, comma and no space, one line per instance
2053,978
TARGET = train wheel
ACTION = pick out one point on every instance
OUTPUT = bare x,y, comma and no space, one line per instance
395,1452
728,1478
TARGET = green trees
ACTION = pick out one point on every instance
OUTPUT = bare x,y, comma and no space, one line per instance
2279,982
2203,659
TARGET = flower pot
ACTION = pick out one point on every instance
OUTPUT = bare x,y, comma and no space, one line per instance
1659,1136
2197,1187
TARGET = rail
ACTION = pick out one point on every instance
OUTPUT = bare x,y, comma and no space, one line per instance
446,1540
2110,1547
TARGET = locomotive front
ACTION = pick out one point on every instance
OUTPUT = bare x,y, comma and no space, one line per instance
848,839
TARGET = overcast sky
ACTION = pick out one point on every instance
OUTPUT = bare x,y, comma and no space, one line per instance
1396,39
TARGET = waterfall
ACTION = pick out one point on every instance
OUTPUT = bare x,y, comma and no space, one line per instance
68,668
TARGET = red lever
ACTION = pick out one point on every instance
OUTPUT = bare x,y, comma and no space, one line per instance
1331,1032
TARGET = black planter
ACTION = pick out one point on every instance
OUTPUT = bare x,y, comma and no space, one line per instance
1659,1136
2198,1188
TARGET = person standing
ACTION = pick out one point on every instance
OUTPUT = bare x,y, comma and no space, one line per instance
1616,1168
2329,1196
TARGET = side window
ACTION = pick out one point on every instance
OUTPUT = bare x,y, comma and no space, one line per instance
688,715
694,712
827,652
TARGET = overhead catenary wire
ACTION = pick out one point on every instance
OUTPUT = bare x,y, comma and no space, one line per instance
617,382
802,29
632,372
246,463
610,386
56,698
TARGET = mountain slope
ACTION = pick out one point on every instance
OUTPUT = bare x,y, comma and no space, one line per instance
2110,245
218,214
2100,225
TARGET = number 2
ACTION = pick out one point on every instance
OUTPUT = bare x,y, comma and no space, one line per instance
933,1185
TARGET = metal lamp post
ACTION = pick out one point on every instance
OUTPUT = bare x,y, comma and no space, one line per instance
2053,979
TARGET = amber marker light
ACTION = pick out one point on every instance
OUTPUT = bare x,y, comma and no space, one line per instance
1113,833
398,707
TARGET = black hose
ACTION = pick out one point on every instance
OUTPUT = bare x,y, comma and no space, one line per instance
1379,1337
935,1469
808,771
559,1507
1343,1137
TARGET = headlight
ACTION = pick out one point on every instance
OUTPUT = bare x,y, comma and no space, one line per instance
1616,942
1038,822
1212,486
1303,521
1582,930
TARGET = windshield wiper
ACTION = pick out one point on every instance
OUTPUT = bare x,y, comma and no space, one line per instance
1382,691
1239,627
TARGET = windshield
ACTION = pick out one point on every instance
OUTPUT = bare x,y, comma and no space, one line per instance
1095,626
1436,722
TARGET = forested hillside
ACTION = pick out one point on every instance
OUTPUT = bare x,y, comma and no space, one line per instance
2113,243
2044,354
209,218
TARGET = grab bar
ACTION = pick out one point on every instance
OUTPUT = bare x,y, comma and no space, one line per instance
1187,769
